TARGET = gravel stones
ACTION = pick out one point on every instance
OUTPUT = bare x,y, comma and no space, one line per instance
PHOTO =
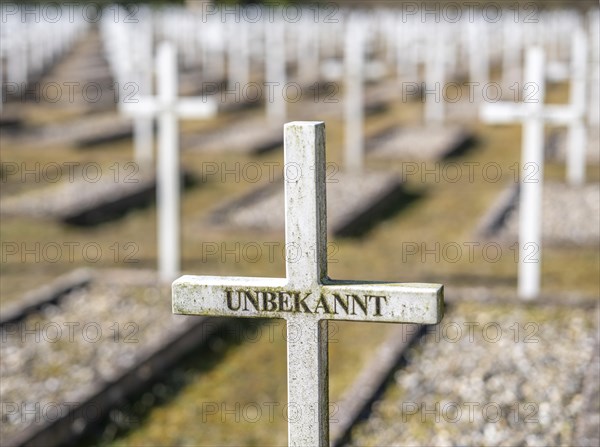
517,377
65,352
571,215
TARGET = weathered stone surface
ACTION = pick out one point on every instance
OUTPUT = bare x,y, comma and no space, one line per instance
333,300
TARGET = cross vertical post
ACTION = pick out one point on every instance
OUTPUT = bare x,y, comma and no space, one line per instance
168,165
305,203
306,269
532,178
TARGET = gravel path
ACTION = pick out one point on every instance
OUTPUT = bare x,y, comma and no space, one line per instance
73,131
68,198
570,215
346,195
63,353
519,376
250,136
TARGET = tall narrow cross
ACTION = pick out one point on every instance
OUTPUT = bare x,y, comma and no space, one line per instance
534,115
168,107
306,298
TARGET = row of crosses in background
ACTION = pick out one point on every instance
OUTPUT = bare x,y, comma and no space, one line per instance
307,298
168,107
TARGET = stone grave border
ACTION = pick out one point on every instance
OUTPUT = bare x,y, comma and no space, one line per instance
371,382
216,139
494,218
490,225
355,403
355,225
46,294
140,196
124,132
466,141
153,361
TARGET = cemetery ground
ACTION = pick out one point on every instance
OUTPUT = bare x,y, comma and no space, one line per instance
478,288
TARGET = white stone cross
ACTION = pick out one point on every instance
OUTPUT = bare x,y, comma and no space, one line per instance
435,76
168,107
577,134
143,127
306,298
354,94
533,114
